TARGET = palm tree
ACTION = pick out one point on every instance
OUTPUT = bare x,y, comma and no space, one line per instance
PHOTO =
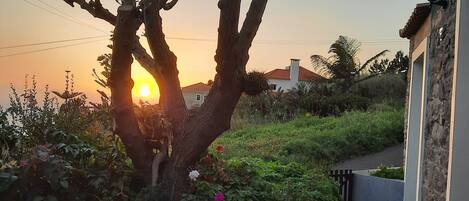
343,65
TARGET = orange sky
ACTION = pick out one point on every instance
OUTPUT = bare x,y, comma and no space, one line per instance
291,29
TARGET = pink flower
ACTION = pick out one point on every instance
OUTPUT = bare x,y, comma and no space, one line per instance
219,196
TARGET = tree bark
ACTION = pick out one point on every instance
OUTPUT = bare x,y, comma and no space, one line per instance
120,82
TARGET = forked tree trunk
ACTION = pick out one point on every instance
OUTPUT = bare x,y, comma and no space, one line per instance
190,134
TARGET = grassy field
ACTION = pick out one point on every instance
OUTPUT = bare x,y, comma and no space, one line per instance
318,140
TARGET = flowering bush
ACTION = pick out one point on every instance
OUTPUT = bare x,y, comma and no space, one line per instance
241,179
62,149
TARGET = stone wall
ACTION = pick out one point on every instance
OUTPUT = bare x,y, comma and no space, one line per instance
415,41
437,122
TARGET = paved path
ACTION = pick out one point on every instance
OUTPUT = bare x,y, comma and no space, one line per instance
391,157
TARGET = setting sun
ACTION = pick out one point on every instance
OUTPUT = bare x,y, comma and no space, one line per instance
144,91
145,88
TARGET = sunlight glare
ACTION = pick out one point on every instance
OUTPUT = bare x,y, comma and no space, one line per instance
144,91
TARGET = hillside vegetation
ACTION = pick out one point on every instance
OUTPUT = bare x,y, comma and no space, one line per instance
316,139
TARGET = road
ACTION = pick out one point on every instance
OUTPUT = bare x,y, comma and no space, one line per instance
390,157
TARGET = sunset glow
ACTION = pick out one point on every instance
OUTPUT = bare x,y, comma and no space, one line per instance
145,88
297,37
144,91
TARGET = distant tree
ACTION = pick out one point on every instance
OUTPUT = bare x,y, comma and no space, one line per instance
186,136
379,67
399,65
343,65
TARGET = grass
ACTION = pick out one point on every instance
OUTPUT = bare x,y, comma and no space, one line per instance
318,140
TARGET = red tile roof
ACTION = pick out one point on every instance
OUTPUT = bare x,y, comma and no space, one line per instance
198,87
416,20
284,74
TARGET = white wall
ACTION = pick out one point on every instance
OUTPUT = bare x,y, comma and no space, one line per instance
191,99
284,84
458,175
294,70
370,188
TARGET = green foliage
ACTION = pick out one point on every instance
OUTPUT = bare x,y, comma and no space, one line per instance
255,83
60,150
389,173
8,133
321,99
316,139
241,179
386,87
399,65
28,118
338,104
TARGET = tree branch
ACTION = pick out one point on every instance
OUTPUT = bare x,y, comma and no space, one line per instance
251,24
170,89
168,6
120,82
382,53
232,54
227,38
145,59
95,8
154,33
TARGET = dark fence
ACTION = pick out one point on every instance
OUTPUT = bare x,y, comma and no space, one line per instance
344,179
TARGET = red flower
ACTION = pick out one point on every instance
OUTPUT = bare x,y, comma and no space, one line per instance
220,149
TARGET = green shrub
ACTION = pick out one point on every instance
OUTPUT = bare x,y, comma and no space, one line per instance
389,173
62,149
383,87
338,104
321,99
241,179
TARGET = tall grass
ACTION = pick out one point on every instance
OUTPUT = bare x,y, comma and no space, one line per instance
318,140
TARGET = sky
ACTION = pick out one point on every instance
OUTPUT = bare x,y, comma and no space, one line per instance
290,29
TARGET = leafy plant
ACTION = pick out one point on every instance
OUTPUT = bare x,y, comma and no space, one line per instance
63,148
389,173
242,179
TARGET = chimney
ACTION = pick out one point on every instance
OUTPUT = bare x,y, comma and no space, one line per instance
294,70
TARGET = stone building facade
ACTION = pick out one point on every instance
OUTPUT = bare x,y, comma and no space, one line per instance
435,40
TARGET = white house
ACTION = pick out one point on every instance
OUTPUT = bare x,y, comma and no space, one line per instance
284,79
194,95
288,78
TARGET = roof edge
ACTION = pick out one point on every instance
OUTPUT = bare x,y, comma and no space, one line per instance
416,20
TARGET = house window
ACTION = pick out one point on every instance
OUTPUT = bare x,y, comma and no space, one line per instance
198,97
273,87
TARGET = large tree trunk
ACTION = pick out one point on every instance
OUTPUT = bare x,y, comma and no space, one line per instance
120,82
189,136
